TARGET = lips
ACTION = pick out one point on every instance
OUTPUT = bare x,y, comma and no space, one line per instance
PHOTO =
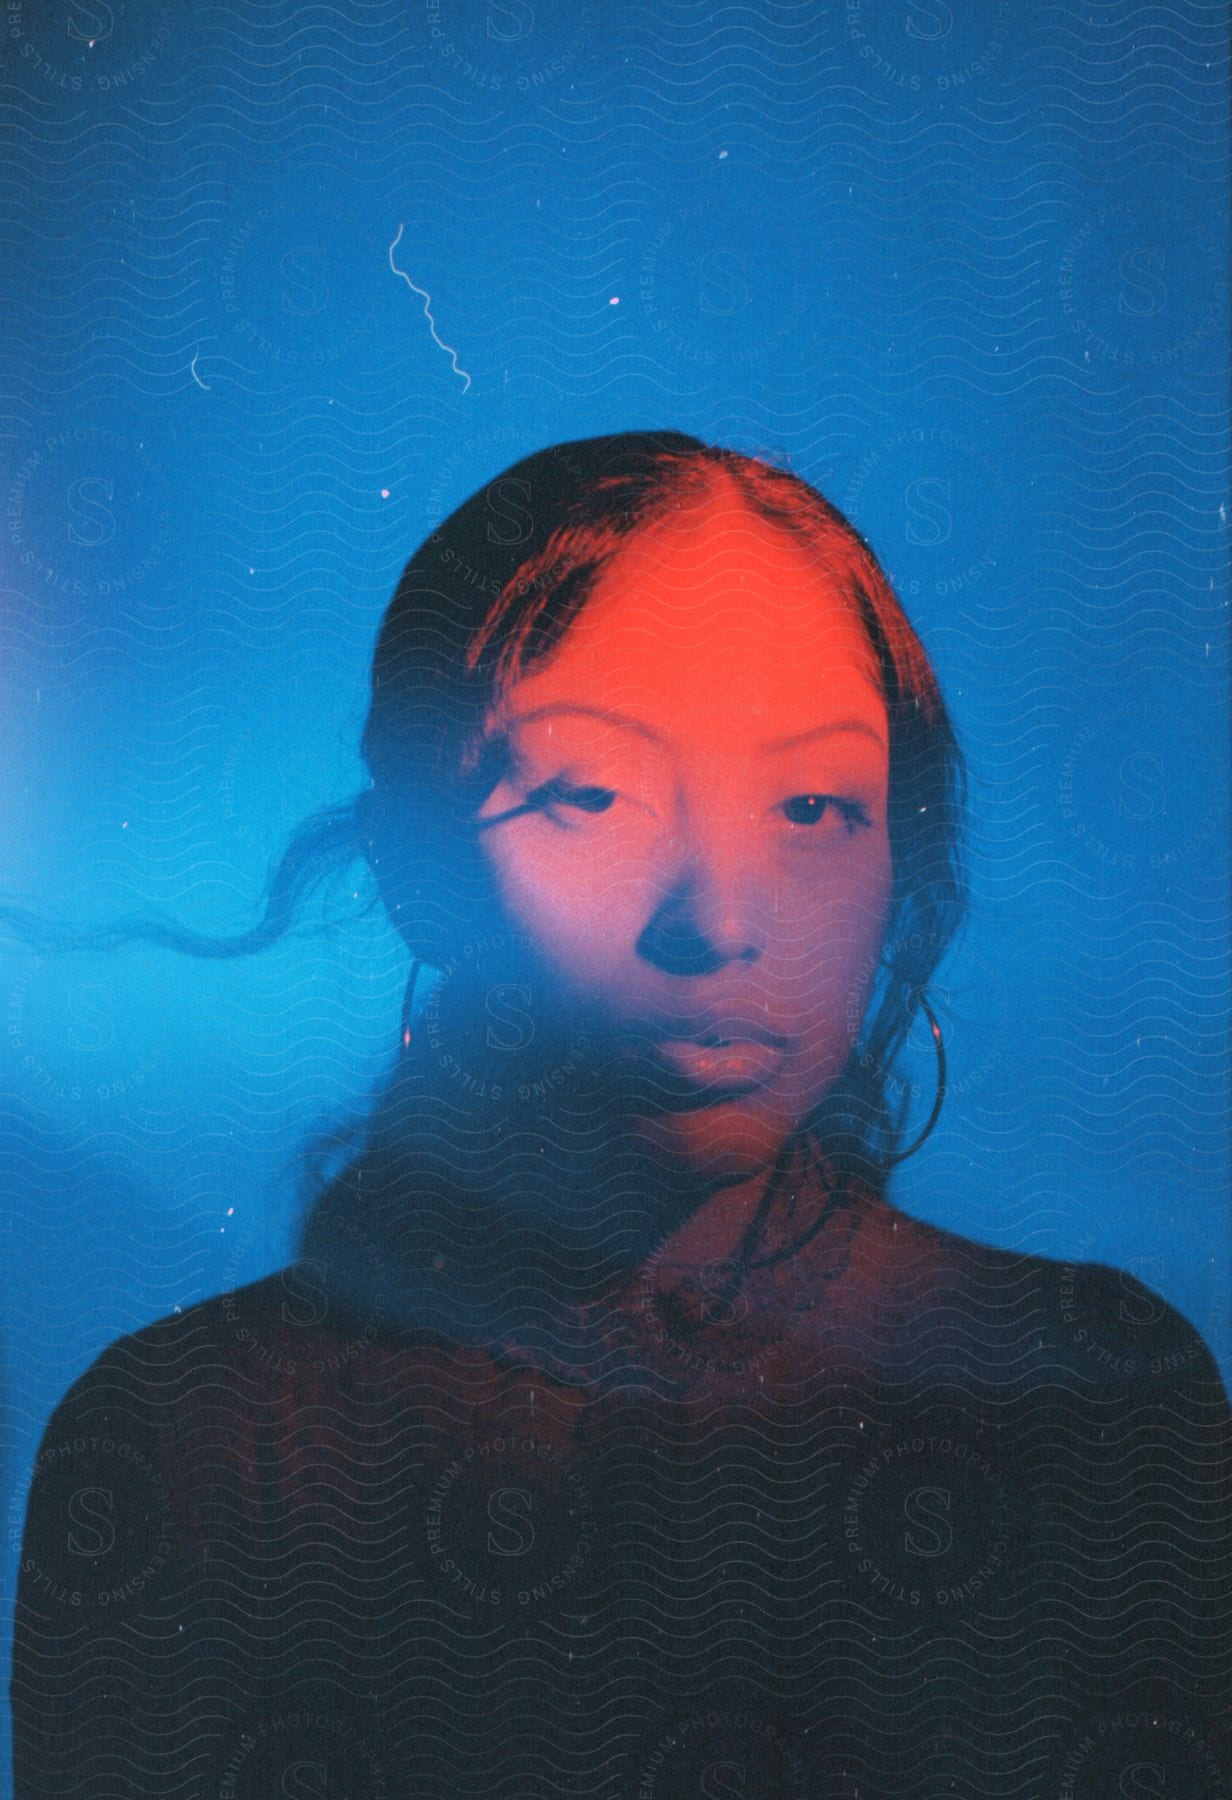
744,1063
685,1062
681,1075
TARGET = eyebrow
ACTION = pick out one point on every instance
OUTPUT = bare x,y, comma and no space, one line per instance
832,727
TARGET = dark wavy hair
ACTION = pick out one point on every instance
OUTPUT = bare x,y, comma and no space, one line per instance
489,594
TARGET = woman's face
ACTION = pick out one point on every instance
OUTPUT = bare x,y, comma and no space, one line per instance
705,866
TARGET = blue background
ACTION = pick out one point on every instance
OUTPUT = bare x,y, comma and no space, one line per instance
962,267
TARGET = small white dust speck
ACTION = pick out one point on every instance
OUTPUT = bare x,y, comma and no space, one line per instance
230,1212
427,300
722,156
615,300
384,493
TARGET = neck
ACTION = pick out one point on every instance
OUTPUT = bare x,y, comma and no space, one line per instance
745,1222
472,1229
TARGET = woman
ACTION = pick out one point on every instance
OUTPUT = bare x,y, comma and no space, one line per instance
613,1434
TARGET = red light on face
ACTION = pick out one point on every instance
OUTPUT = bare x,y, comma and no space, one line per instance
693,814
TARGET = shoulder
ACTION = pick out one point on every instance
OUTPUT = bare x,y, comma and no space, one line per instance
252,1360
212,1399
142,1362
139,1384
236,1352
1091,1325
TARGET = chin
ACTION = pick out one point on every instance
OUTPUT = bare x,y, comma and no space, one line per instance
734,1141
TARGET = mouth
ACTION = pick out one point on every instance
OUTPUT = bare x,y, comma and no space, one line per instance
685,1075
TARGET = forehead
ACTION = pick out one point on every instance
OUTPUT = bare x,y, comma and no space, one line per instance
721,612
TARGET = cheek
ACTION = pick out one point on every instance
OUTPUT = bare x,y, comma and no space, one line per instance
835,955
568,908
584,899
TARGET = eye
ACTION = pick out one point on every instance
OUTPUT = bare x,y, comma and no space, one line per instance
562,793
811,809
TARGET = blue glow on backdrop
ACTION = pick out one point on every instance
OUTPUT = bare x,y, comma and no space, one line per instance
286,282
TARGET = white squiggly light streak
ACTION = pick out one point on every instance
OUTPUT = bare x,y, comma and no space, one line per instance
427,300
192,370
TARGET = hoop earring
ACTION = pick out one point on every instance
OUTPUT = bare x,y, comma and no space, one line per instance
408,1001
898,1156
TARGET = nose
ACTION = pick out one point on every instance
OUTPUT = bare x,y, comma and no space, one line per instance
703,914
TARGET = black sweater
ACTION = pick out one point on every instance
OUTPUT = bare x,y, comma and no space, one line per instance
928,1519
